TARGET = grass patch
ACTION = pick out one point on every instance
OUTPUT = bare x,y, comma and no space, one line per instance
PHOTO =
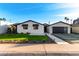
37,38
23,37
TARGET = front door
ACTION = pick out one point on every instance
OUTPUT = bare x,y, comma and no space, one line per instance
45,29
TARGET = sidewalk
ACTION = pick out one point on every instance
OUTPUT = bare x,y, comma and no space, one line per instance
39,49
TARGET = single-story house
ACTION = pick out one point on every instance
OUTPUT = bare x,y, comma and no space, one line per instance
31,27
59,27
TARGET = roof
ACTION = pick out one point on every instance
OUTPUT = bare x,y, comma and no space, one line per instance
45,24
75,25
27,21
60,22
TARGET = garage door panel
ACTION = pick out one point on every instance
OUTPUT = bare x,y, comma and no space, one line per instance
59,29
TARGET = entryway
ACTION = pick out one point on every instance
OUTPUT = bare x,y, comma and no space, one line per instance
45,29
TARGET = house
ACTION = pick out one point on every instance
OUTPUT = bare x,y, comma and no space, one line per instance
59,27
32,27
36,28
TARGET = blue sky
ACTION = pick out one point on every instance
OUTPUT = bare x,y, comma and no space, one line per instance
40,12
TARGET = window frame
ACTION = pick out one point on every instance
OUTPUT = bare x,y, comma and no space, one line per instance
25,25
35,26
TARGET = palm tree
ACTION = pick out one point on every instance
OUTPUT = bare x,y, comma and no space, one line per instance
67,19
71,21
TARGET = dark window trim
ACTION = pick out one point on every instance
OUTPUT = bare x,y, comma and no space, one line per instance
36,28
26,26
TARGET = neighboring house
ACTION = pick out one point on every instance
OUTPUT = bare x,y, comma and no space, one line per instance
31,27
3,26
75,28
59,27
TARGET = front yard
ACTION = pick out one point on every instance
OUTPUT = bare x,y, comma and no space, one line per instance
22,37
71,38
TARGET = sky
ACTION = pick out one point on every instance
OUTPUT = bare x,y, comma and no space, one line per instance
40,12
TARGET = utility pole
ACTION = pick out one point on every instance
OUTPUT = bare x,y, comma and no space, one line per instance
49,22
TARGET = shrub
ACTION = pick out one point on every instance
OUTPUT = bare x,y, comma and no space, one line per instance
21,33
27,33
11,29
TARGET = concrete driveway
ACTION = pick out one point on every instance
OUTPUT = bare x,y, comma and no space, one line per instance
39,49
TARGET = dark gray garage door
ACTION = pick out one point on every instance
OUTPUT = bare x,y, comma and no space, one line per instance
60,29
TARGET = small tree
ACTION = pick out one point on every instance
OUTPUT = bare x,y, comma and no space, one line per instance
2,19
11,29
76,21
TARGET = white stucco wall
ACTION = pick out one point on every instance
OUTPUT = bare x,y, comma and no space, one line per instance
58,25
30,29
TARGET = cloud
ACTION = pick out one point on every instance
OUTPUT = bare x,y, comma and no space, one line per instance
72,10
69,5
73,15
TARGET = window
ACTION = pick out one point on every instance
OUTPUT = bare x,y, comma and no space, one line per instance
35,26
25,26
